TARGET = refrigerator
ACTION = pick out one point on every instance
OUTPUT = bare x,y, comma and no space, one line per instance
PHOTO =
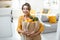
5,22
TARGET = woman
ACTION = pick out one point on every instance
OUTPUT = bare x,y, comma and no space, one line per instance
26,35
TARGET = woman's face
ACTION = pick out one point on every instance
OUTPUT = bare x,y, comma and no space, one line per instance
25,10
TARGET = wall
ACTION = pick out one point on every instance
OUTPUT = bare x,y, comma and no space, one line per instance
37,5
18,4
16,7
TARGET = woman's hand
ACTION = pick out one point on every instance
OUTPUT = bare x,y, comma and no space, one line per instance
35,34
29,34
25,33
32,32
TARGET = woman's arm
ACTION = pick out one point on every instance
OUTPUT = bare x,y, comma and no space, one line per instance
19,28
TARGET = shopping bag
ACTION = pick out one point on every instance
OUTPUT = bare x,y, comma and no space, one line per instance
30,26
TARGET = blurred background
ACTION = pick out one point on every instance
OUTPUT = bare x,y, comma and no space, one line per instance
46,10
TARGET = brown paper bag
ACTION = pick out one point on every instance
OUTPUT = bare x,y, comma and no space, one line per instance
37,26
30,26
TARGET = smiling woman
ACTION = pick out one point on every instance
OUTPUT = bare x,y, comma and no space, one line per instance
28,25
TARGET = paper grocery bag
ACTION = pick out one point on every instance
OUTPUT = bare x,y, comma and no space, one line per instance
30,26
24,26
37,26
34,26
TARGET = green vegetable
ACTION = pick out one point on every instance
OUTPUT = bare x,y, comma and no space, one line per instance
35,19
31,17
